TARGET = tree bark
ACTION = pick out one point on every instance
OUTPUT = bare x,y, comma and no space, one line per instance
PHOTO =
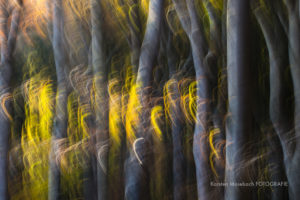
101,98
278,58
59,133
293,148
177,125
8,40
136,173
195,32
239,127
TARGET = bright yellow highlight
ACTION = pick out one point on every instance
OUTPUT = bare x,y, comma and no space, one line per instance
36,136
214,152
193,100
132,114
156,114
115,118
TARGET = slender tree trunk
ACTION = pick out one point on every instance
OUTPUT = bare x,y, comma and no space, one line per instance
8,40
177,126
239,128
101,98
293,156
217,66
201,151
59,133
278,58
136,173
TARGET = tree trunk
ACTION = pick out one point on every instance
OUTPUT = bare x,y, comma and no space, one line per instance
8,41
59,133
293,154
195,31
278,58
101,98
177,125
239,127
136,173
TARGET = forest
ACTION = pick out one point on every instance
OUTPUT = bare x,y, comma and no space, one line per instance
149,99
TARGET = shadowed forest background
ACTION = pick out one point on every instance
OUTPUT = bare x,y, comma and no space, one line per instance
149,99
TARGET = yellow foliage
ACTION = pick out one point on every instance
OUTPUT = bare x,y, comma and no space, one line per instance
156,115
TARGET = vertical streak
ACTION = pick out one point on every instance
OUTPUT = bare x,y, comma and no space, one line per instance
101,97
59,132
8,40
239,93
136,174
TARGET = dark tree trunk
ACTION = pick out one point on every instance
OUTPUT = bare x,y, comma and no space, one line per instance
101,98
8,41
195,31
177,125
293,147
136,173
278,58
239,127
59,132
215,59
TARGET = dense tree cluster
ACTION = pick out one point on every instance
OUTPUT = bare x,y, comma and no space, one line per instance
149,99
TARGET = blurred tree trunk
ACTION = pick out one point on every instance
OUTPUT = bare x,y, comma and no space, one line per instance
201,150
239,126
59,132
204,79
215,59
277,45
8,40
292,148
177,124
136,173
100,72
